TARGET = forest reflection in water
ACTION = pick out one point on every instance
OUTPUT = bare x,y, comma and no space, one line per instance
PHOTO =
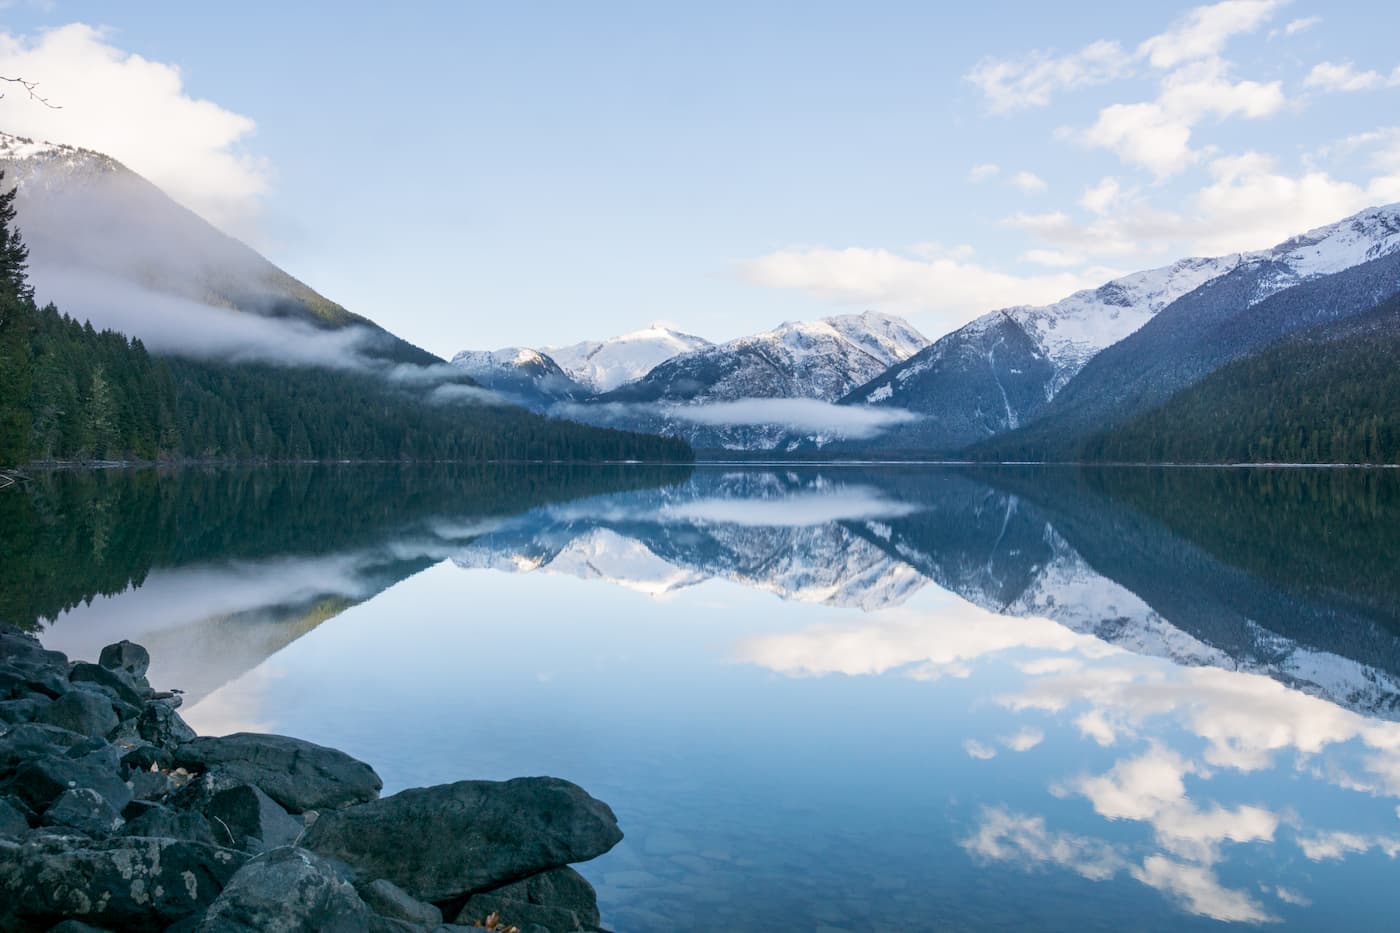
1049,696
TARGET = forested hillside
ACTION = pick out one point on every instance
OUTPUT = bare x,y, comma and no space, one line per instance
69,392
1328,395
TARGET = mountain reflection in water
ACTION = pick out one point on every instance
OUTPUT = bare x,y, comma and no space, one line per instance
904,697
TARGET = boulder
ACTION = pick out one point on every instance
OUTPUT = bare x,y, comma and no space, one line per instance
83,809
43,780
150,785
160,725
27,741
298,775
13,823
166,823
391,901
453,840
251,819
25,709
127,688
146,757
122,883
287,890
74,926
127,657
23,648
81,712
561,900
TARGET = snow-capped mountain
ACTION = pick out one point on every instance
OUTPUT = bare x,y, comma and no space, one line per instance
106,244
524,375
820,359
989,546
1003,369
603,365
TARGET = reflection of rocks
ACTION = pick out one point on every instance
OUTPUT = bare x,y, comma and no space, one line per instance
137,829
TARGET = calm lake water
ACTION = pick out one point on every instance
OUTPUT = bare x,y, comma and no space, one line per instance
819,699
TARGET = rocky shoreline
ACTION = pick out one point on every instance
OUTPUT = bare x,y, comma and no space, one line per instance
114,815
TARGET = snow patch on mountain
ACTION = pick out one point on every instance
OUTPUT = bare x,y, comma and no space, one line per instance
602,365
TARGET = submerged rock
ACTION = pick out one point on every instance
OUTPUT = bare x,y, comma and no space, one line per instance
452,840
123,883
298,775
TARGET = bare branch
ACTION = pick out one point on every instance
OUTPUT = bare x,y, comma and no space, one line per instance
30,86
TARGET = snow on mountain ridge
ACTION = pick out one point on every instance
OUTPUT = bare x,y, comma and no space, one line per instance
603,365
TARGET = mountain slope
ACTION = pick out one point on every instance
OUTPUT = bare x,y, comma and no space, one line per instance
999,371
1221,322
521,374
808,359
986,379
106,244
1327,395
603,365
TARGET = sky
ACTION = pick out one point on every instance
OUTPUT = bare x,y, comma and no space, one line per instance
475,175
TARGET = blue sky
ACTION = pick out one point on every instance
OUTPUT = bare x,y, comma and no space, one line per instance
476,175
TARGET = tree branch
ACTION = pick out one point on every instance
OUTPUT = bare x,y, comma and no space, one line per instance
30,86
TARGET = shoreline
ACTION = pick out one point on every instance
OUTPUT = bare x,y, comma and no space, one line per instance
114,813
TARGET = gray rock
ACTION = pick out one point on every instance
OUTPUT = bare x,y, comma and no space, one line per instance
287,890
42,781
83,809
146,757
123,883
165,823
23,648
23,710
389,900
74,926
253,819
560,899
82,712
13,823
127,657
150,785
124,686
453,840
27,741
298,775
160,725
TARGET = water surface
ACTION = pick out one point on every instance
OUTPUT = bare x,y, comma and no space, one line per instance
833,698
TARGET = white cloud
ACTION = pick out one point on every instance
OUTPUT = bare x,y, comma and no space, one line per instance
139,112
799,510
1024,740
1052,258
1302,24
1012,84
979,750
1006,836
981,173
1341,76
1205,30
800,414
1156,135
949,290
1336,845
1199,891
1101,197
1029,182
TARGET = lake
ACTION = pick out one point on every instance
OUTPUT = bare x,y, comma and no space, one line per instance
818,698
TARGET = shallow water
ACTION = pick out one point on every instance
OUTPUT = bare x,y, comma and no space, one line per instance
829,698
